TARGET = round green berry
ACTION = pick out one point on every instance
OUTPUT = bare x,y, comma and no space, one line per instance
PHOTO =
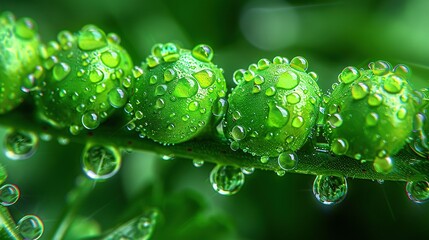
273,108
84,79
179,94
369,115
19,43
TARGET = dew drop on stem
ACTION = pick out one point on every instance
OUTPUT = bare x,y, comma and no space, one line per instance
20,145
227,180
101,162
330,190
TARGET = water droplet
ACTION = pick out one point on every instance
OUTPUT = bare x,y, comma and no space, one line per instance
248,170
299,63
203,53
248,75
159,103
20,145
198,163
335,120
193,106
393,84
100,162
287,160
227,180
339,146
330,190
402,70
238,133
359,91
152,61
91,38
170,52
96,75
293,98
111,58
380,68
371,119
270,91
375,100
219,107
90,120
167,157
25,28
297,122
117,97
160,90
238,76
314,76
259,80
418,191
185,87
349,74
60,71
101,87
153,79
256,89
383,165
288,80
9,194
277,115
205,77
234,146
137,71
171,126
30,227
264,159
263,64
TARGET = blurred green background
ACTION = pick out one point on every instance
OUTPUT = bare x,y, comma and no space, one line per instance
330,34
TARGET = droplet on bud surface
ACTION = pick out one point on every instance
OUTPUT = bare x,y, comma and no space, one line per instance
101,162
227,180
30,227
330,190
20,145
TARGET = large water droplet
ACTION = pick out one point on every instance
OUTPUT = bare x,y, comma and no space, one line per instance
335,120
117,97
198,163
380,68
330,190
288,80
238,133
349,74
20,145
26,28
111,58
100,162
371,119
238,76
383,165
91,38
287,160
227,180
339,146
375,100
299,63
205,77
418,191
219,107
277,115
170,52
60,71
96,75
90,120
297,122
203,53
9,194
30,227
393,84
186,87
359,91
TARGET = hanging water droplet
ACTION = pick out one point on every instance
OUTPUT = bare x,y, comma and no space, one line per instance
100,162
203,53
91,38
227,180
205,77
20,145
117,97
418,191
359,91
299,63
330,190
186,87
30,227
248,170
198,163
287,160
349,74
277,115
167,157
90,120
60,71
383,165
288,80
9,194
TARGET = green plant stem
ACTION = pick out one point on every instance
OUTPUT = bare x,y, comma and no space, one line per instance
408,166
8,228
75,199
